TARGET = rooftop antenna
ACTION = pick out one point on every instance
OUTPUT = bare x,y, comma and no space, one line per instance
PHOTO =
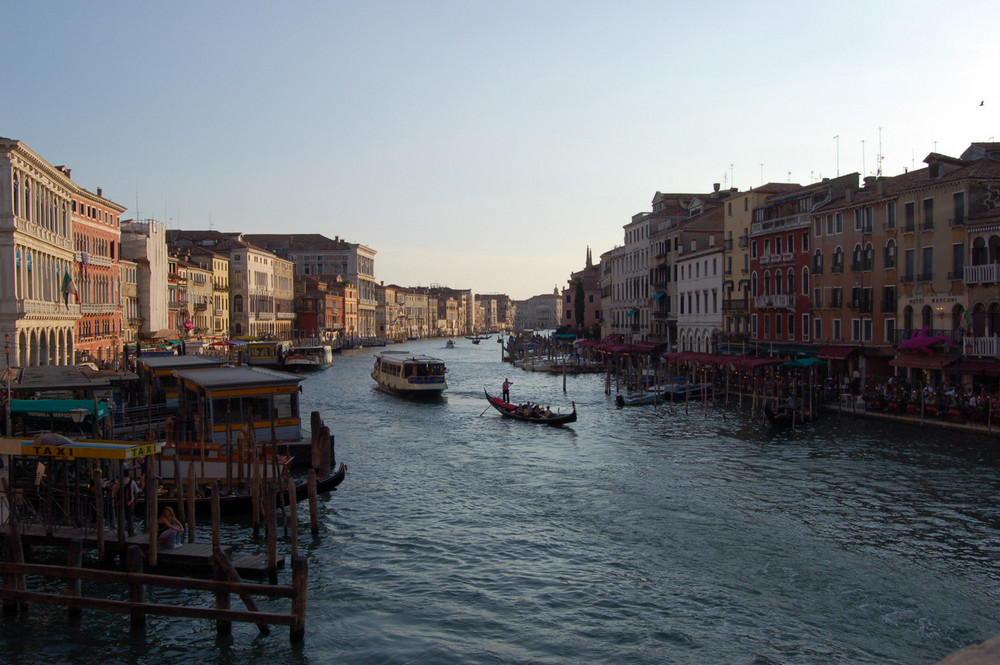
732,182
879,161
762,173
837,139
862,157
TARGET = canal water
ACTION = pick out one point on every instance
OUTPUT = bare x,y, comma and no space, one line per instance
668,534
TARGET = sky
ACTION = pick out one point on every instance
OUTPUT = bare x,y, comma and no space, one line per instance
483,145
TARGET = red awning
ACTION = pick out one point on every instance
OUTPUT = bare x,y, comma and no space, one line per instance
920,361
976,367
836,352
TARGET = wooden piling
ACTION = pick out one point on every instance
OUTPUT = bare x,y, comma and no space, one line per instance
222,626
300,585
216,515
152,518
136,590
293,521
272,533
99,512
313,503
191,490
74,559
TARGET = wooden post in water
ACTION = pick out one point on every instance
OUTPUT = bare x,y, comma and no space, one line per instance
255,491
192,487
293,516
313,503
99,513
272,534
223,570
216,515
15,554
222,626
152,519
136,590
74,559
300,584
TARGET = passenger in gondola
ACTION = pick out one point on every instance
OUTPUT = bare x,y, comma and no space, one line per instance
548,412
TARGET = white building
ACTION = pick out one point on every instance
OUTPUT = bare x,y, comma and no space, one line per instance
38,305
146,244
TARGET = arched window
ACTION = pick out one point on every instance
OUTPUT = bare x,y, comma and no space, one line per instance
838,260
753,285
238,304
926,317
805,281
17,200
856,259
818,262
869,258
767,282
27,200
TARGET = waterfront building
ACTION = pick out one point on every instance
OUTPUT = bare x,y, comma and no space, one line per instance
671,212
217,311
452,310
97,246
317,255
736,282
582,300
319,312
494,312
780,273
612,305
541,312
178,317
347,293
200,297
699,266
389,312
145,243
38,306
129,294
975,207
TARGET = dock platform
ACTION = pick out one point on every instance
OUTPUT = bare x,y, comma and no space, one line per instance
189,556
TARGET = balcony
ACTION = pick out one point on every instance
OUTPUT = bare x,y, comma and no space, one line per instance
54,309
779,301
908,227
781,224
988,273
981,346
97,308
744,241
177,304
735,305
928,225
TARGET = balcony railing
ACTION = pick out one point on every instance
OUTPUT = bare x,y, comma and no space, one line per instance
200,306
988,273
48,308
925,276
779,301
744,241
908,227
781,223
981,346
928,225
900,335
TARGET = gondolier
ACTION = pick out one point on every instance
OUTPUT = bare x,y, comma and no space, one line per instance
505,393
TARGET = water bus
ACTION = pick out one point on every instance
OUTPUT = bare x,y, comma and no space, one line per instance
409,374
308,358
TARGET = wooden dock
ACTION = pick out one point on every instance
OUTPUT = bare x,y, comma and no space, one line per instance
189,556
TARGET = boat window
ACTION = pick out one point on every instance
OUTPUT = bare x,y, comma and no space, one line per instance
224,405
257,408
286,406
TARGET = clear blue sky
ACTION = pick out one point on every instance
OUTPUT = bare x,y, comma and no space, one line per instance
483,145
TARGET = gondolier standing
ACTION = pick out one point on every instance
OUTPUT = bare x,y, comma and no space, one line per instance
507,383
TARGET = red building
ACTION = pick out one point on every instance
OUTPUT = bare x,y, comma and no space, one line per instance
97,243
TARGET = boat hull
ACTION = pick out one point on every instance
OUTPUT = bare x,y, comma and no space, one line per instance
510,411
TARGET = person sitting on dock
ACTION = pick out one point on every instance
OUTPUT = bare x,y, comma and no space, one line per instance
170,529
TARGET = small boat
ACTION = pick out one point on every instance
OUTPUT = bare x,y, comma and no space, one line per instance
409,374
308,358
677,391
536,416
782,416
450,344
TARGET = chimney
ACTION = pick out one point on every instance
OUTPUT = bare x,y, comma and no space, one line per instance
870,180
848,194
99,190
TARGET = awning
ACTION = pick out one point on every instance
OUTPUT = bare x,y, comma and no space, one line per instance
633,312
58,409
920,361
802,362
659,295
836,352
976,367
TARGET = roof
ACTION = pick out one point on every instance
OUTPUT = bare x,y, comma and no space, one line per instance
241,376
57,377
180,362
403,356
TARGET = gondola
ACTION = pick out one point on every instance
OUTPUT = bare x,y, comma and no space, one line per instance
781,417
512,411
241,503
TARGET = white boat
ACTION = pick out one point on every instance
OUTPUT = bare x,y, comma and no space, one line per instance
665,392
309,358
410,374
